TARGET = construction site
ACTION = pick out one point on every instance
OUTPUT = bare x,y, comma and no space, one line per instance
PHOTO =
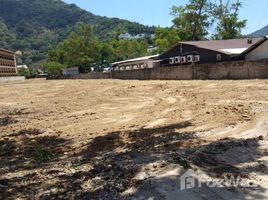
115,139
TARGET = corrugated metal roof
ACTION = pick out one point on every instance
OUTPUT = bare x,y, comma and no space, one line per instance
220,45
135,59
234,50
232,46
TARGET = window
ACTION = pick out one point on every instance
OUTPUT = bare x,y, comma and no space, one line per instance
218,57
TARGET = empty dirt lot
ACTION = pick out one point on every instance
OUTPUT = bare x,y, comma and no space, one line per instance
114,139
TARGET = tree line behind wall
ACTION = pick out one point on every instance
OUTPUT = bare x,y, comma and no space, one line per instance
37,27
84,50
191,22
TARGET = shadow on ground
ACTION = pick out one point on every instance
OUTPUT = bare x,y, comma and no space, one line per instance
106,166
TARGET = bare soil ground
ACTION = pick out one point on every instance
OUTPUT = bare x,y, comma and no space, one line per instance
114,139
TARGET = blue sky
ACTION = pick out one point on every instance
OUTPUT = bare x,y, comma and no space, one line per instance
157,12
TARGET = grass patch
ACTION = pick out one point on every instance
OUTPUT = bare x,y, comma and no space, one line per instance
43,155
182,162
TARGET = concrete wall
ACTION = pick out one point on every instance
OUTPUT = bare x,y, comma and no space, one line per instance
12,78
71,71
261,52
93,75
217,71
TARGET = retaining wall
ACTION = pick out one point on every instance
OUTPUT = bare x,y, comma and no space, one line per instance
12,78
93,75
217,71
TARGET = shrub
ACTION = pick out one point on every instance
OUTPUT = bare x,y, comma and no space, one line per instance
54,69
28,73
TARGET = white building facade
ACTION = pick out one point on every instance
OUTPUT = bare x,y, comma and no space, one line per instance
258,52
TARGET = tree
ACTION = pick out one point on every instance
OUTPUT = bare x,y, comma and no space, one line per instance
28,73
54,69
195,18
81,49
165,38
192,20
6,36
106,53
127,49
35,26
229,26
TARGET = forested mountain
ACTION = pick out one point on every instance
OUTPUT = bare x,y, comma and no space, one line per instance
34,26
260,33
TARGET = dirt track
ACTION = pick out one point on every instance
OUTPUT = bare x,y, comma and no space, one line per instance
115,139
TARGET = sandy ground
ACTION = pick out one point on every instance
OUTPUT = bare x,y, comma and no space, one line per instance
114,139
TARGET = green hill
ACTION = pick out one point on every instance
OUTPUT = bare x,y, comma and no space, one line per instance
34,26
260,33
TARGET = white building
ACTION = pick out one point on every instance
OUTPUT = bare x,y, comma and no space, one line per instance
131,37
124,36
258,51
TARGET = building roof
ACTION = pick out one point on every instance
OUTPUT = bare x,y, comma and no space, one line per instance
231,47
136,59
7,51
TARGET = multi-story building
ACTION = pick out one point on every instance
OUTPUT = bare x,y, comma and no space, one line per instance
8,66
